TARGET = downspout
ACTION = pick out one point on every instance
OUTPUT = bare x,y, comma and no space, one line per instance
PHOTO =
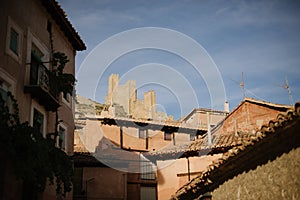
208,129
189,172
121,137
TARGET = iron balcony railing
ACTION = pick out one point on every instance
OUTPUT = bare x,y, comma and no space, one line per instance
43,86
41,76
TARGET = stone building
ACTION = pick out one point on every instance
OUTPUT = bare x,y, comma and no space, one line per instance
30,30
266,166
122,101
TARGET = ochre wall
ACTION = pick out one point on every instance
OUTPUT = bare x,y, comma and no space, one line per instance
104,183
279,179
172,174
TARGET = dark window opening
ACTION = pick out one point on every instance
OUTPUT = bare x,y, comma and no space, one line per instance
61,138
167,136
38,121
14,40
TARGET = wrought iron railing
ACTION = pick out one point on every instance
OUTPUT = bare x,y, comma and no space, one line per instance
41,76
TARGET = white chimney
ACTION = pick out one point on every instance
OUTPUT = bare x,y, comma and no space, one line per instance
226,106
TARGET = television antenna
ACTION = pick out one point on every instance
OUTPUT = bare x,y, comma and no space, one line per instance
241,84
287,87
244,89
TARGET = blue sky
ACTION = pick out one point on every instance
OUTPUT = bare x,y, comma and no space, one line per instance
259,38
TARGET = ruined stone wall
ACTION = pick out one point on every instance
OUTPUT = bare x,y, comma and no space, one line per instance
123,101
279,179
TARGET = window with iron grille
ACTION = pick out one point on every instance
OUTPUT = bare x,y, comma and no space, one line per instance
148,193
147,169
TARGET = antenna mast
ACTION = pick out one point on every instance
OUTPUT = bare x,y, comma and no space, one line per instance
286,86
242,84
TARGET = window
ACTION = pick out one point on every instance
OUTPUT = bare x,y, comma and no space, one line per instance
142,133
14,40
167,136
36,53
38,120
66,98
61,140
148,193
38,117
147,169
3,92
7,83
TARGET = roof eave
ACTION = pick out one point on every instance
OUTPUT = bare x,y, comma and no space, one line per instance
60,18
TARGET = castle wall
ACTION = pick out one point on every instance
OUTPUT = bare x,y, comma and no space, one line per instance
124,99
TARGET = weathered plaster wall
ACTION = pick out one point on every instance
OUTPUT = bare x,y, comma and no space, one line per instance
173,174
104,183
279,179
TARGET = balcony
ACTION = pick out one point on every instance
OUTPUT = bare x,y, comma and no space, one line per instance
42,86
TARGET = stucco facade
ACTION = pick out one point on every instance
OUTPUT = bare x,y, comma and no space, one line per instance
204,118
30,29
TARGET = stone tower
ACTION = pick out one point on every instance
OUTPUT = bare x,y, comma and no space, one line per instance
113,82
150,103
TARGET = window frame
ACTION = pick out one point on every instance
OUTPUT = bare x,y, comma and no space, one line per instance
32,39
66,101
142,134
143,187
11,25
147,169
10,83
167,136
41,109
63,126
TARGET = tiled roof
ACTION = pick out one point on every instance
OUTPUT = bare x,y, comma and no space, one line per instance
219,141
169,152
60,17
155,125
258,148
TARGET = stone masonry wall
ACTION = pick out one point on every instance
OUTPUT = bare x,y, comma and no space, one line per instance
279,179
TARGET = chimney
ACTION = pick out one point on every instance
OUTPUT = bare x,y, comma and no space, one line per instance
226,106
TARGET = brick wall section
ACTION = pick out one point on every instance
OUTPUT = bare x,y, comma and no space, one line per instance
279,179
249,117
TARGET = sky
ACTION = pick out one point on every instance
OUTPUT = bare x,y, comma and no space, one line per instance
191,52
